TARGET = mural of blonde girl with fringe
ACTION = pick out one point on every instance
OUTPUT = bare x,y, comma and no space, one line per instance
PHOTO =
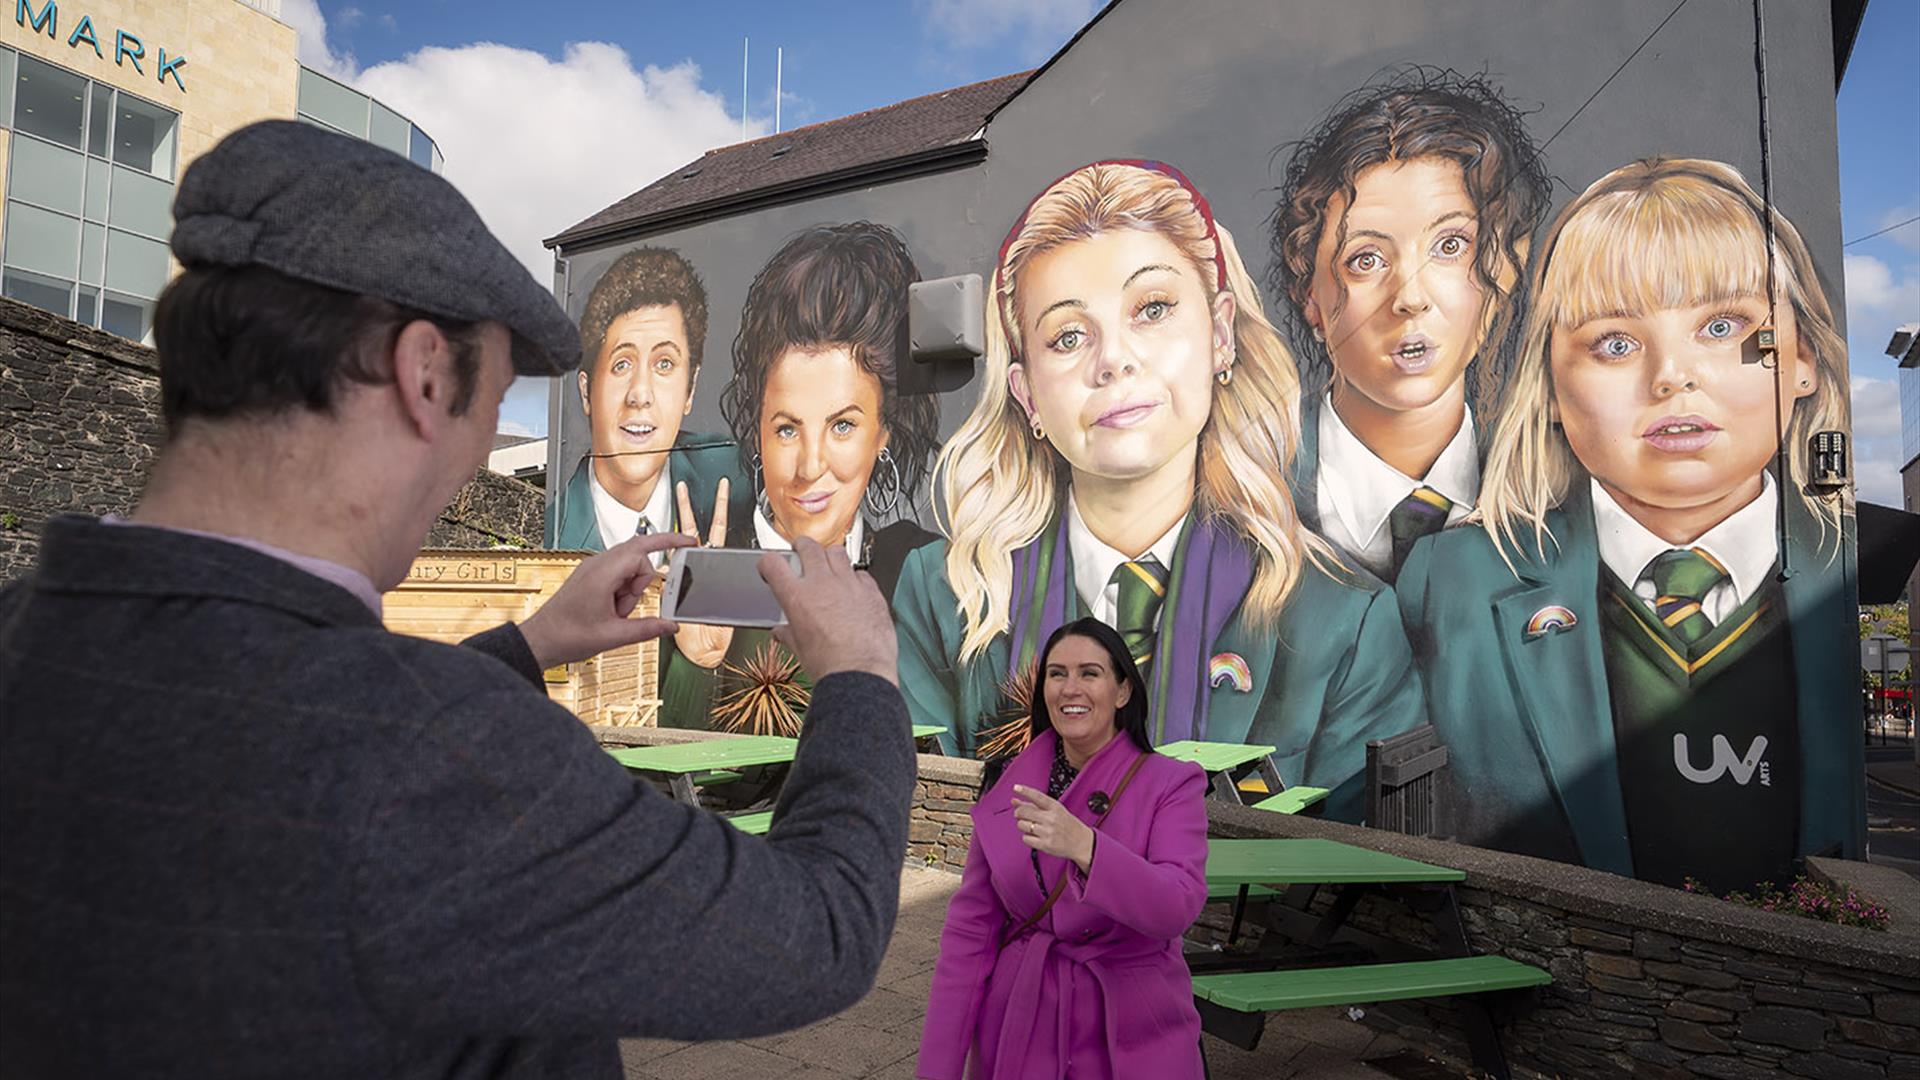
1127,459
1631,668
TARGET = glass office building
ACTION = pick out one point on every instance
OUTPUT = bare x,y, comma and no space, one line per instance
93,150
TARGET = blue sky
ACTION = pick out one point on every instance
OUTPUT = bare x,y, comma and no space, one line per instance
479,74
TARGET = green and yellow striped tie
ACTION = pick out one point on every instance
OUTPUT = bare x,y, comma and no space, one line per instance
1682,578
1142,586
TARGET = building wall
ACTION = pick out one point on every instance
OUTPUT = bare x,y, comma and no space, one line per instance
1224,91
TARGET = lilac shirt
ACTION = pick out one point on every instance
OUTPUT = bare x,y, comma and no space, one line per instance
346,577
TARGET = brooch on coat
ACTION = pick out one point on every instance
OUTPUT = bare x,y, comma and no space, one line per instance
1230,669
1098,802
1551,619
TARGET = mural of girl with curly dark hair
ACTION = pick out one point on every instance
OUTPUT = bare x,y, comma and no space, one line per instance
1399,244
833,451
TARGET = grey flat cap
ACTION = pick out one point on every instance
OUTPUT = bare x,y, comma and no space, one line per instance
336,211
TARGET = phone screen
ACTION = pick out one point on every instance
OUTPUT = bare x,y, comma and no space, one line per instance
723,586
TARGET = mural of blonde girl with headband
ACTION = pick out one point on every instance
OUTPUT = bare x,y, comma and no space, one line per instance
1630,668
1127,459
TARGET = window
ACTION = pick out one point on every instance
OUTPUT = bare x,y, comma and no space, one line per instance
334,105
141,204
49,102
45,174
420,149
390,130
143,135
89,196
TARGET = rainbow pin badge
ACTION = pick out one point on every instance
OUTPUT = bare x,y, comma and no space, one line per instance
1230,669
1550,619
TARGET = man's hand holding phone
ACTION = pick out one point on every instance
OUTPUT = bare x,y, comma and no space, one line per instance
589,614
836,618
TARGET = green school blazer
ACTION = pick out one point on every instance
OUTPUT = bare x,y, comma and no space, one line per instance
573,527
1528,720
1334,673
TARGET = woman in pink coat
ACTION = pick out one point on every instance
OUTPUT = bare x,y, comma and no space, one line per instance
1061,954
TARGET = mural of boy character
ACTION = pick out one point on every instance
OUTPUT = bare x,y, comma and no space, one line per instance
1401,233
835,452
642,333
1630,668
1127,459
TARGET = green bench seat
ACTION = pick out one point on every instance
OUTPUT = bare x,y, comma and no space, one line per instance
1292,800
716,776
1273,991
1232,892
757,824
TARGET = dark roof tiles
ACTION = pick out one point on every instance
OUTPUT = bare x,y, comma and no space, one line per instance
867,138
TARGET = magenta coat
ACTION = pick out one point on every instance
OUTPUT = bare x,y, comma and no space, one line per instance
1102,973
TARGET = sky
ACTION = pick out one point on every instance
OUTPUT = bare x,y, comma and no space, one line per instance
552,80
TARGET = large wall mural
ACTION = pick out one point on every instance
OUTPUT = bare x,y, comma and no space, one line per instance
1455,457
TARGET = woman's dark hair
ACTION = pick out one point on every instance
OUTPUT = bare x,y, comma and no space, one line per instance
1129,719
1413,113
245,340
835,285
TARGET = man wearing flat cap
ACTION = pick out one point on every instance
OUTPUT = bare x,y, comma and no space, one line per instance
245,831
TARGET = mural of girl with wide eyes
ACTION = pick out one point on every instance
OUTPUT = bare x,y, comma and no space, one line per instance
1127,459
1401,233
1629,667
835,452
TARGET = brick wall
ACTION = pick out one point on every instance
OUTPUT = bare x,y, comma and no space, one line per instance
80,423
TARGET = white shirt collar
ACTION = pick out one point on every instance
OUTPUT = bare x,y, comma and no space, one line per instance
1745,543
1094,561
618,521
1362,490
770,540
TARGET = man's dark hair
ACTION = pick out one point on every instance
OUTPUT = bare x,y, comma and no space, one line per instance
835,285
1130,719
241,340
645,277
1413,113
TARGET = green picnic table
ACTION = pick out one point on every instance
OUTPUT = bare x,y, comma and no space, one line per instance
1284,873
680,763
1229,763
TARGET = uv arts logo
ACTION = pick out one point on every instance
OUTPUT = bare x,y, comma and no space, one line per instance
1724,761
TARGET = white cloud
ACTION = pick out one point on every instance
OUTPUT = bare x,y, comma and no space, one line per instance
1877,454
539,144
350,17
310,26
1907,235
1037,27
1880,294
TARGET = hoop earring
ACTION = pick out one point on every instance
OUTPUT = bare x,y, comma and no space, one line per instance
890,490
1038,434
1319,335
1224,376
760,492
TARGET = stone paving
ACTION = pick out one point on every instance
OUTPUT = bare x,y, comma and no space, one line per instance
880,1036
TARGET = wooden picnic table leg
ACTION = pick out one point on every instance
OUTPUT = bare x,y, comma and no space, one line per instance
1443,907
682,786
1337,914
1225,789
1239,912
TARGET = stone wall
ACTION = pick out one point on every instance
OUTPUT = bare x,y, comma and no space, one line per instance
80,424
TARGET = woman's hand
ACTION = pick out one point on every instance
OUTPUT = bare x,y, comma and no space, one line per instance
704,645
1047,826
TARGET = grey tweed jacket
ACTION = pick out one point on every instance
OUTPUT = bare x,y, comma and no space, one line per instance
245,831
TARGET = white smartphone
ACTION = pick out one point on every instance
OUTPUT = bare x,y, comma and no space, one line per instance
721,587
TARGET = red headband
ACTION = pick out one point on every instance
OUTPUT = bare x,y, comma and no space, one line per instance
1161,167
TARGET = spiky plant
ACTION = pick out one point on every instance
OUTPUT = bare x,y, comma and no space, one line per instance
767,697
1015,727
